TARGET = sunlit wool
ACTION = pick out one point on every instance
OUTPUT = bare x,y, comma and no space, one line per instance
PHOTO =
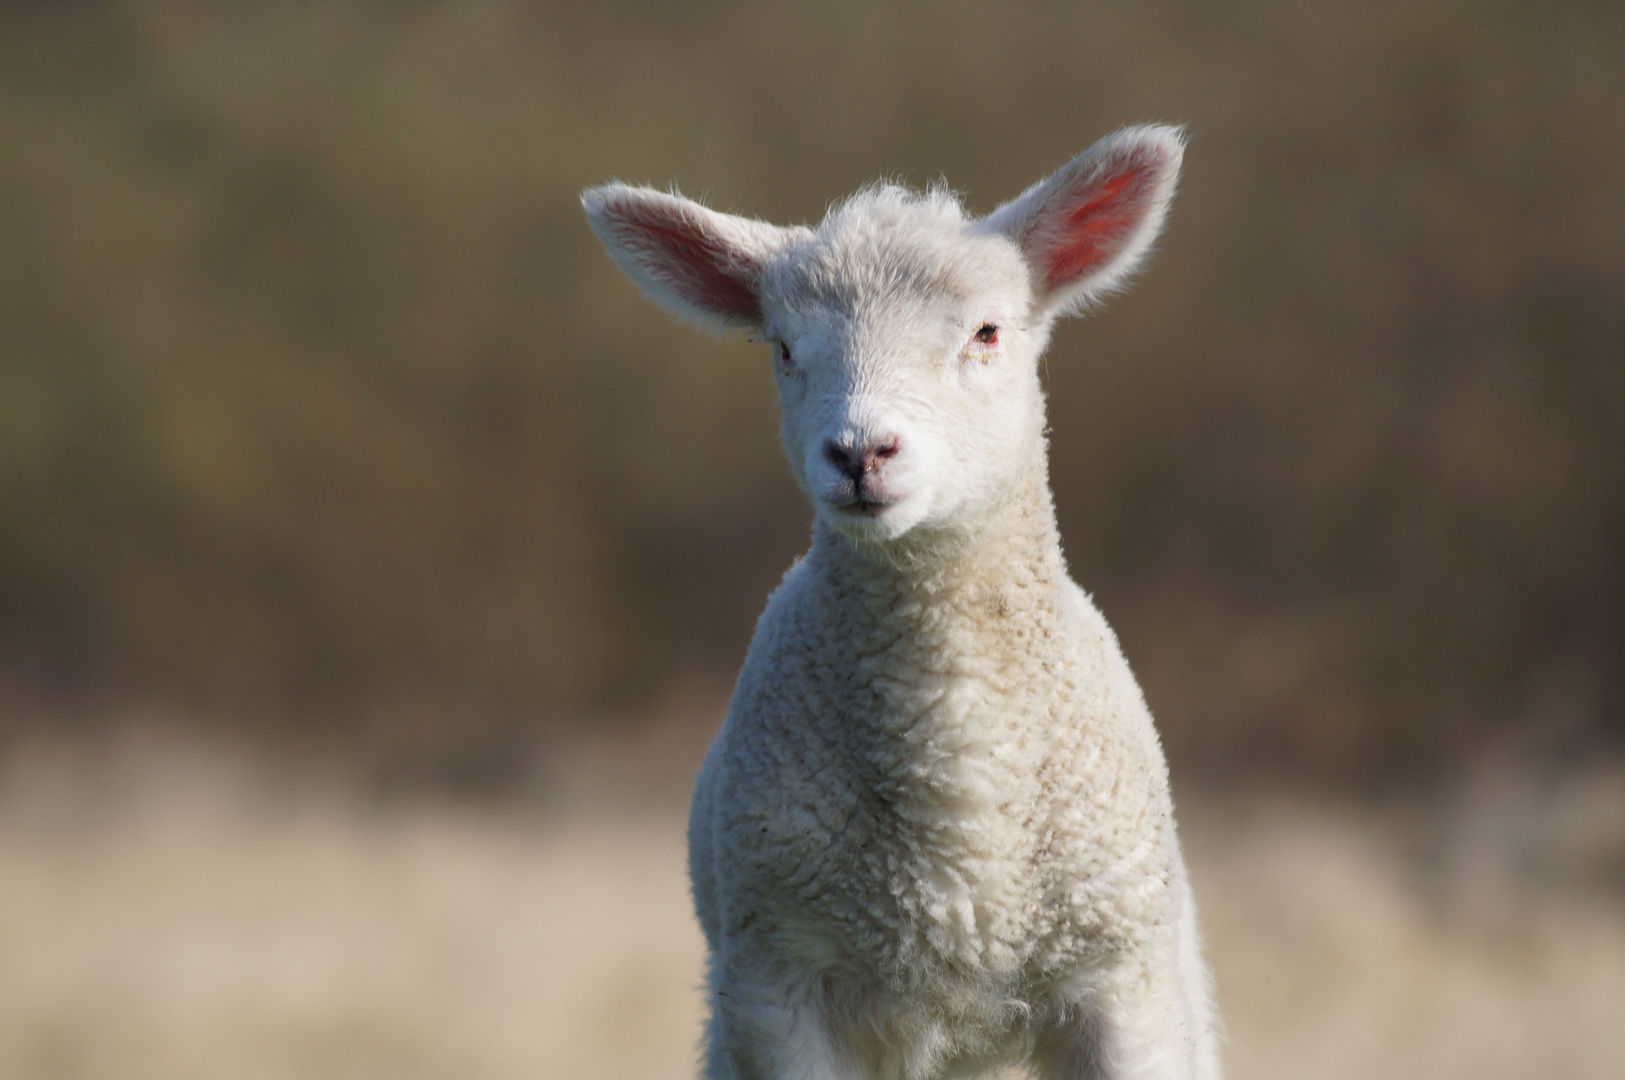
934,835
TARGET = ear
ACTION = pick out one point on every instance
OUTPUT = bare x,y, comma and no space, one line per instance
1085,230
695,262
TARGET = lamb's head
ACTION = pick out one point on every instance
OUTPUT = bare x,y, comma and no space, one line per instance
905,336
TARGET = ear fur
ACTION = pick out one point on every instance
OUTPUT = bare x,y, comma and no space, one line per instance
695,262
1085,230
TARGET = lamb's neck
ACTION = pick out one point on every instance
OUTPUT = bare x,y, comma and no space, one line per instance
947,653
946,594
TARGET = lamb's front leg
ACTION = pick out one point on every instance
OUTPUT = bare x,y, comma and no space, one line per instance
765,1031
1143,1020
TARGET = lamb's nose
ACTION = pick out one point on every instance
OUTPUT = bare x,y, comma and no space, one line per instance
856,462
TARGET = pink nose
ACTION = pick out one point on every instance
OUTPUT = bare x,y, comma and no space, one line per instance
857,462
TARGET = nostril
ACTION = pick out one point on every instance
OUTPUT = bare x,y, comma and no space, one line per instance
843,459
874,456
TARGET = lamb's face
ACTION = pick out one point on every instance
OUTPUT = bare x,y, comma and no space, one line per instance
906,338
906,358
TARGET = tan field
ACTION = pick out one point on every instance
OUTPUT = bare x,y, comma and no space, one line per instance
173,914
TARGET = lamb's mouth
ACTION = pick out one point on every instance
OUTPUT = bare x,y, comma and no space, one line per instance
862,506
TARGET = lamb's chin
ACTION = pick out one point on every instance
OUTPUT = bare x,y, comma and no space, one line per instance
873,522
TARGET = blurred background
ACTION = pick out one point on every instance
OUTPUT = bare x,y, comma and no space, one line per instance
374,560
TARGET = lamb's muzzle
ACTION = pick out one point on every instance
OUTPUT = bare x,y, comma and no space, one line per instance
862,488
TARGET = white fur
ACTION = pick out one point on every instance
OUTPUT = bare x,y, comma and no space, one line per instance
934,836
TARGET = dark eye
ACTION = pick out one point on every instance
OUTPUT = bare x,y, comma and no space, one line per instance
784,354
987,335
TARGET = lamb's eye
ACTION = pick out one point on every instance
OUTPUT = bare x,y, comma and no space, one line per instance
784,354
988,334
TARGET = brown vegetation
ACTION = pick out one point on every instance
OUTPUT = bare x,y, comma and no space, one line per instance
320,409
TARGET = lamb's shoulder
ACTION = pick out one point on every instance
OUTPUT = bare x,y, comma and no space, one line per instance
1101,699
702,869
794,818
1111,856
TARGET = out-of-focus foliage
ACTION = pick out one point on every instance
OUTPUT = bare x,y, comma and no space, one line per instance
318,401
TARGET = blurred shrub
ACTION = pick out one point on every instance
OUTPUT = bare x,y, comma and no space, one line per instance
319,407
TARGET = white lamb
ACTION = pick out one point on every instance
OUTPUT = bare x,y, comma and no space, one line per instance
934,836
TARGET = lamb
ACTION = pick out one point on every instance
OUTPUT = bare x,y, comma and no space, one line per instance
934,836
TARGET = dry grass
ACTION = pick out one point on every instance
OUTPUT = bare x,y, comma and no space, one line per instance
1338,954
165,913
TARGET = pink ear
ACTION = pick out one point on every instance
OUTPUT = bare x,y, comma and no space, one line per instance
1096,222
697,262
1087,228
